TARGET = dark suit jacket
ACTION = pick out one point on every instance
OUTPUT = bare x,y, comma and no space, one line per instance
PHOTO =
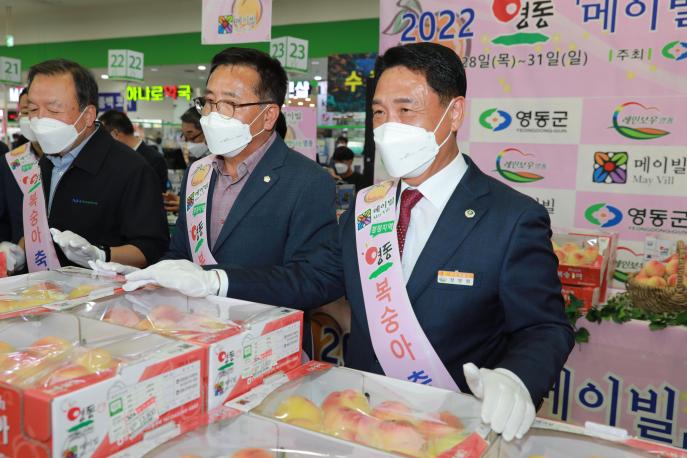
279,242
156,161
109,195
512,317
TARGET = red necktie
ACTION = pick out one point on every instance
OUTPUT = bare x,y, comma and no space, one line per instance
409,199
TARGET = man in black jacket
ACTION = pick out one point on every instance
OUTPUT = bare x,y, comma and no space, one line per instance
120,127
99,198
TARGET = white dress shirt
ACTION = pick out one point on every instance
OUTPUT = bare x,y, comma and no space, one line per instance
436,191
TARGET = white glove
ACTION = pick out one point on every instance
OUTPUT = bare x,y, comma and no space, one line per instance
181,275
111,269
15,256
76,248
506,404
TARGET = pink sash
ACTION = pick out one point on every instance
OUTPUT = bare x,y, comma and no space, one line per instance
38,245
397,337
197,188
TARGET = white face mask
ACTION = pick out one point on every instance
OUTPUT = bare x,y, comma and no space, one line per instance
53,135
25,128
197,150
340,167
407,151
227,136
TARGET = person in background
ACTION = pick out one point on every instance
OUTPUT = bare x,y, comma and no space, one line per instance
343,167
464,263
95,198
341,141
120,127
196,146
23,118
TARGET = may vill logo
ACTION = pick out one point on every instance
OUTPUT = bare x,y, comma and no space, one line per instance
518,170
495,120
603,215
610,167
635,121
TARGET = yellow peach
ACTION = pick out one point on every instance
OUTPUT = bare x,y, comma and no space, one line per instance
654,269
298,408
347,398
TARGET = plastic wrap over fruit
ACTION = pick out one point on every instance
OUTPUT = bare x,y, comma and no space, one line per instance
50,361
576,250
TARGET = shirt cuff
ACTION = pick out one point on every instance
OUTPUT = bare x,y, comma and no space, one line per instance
223,282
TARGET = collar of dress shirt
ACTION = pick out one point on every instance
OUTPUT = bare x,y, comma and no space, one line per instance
438,188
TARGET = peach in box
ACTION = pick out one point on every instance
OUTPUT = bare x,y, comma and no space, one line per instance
347,398
654,269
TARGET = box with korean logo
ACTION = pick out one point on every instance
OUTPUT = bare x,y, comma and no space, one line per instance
74,387
585,257
243,341
553,439
372,410
21,293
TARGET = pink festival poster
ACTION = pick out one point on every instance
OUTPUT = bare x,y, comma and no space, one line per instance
236,21
301,134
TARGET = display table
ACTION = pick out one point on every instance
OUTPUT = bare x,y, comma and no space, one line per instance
626,376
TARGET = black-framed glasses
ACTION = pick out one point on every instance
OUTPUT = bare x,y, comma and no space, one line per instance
224,107
193,138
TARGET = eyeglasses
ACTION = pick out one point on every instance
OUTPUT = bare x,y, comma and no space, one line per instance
193,138
223,107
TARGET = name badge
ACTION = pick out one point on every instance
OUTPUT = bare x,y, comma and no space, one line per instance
446,277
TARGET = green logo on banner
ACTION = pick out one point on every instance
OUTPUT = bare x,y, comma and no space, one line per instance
198,209
26,167
381,228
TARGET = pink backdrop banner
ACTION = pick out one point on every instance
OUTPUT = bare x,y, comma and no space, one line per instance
638,384
534,165
236,21
634,216
302,130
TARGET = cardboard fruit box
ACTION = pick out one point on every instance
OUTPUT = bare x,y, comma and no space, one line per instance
36,291
243,341
389,415
561,440
589,295
585,257
250,436
71,387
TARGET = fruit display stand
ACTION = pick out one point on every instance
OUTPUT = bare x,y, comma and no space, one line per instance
20,293
250,436
558,440
74,387
372,410
244,342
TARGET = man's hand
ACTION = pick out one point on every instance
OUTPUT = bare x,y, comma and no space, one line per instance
181,275
506,404
76,248
15,256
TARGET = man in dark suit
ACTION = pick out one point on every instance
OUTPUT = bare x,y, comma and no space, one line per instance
256,215
120,127
476,257
97,198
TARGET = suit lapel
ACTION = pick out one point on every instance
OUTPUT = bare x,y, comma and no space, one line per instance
255,188
451,229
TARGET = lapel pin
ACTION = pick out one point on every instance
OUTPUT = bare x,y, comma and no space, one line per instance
469,213
266,179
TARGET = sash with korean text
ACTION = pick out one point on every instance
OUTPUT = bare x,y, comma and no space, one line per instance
197,189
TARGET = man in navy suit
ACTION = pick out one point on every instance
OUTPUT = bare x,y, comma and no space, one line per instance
505,315
254,207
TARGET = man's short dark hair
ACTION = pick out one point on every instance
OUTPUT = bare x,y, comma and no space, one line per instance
24,92
192,116
84,81
280,126
116,120
441,67
342,153
273,79
341,138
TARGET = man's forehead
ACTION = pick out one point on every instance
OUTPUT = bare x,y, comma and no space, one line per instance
401,85
232,80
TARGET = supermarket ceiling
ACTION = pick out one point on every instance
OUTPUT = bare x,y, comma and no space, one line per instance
50,21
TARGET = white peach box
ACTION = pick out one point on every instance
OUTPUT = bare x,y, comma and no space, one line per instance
244,342
156,388
21,294
250,436
372,410
554,439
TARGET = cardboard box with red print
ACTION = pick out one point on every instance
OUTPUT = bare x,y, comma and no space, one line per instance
72,387
243,341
